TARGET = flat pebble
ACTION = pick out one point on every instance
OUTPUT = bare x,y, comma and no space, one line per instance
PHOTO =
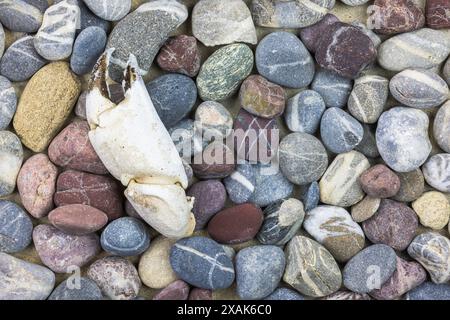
11,154
111,10
304,111
430,291
284,294
368,144
15,228
334,89
88,46
433,209
214,165
180,54
380,182
178,290
19,16
436,14
441,127
365,209
80,289
311,35
412,185
241,183
214,120
8,102
437,172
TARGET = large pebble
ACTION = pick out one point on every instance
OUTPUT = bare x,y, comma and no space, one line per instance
214,120
441,127
80,289
11,155
111,10
217,161
180,54
334,89
436,14
412,185
178,290
437,172
430,291
304,111
19,16
311,35
88,46
240,184
8,102
15,228
433,209
380,182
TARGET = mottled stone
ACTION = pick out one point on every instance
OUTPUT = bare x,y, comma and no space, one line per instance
8,102
437,14
11,155
347,296
334,89
78,289
311,35
19,16
178,290
365,209
217,161
200,294
111,10
240,184
433,209
15,228
214,120
437,172
380,182
412,185
180,54
284,294
310,196
430,291
441,127
88,46
304,111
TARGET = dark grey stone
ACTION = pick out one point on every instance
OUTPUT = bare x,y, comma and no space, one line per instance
19,16
333,88
368,144
88,46
15,227
310,196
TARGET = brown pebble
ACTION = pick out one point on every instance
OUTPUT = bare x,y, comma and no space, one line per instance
78,219
180,54
216,162
380,182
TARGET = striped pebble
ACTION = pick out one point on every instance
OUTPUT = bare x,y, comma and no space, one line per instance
304,111
437,172
19,16
333,88
240,184
442,127
111,10
8,102
419,88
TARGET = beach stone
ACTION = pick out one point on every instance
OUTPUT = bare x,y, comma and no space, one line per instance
334,89
222,73
335,229
60,251
430,291
237,224
304,111
178,290
8,102
80,107
214,120
365,209
436,14
404,148
72,149
395,224
339,185
441,127
258,271
420,89
101,192
173,96
188,138
88,46
284,294
345,49
282,220
292,14
87,290
431,250
424,48
303,158
89,19
310,268
180,54
45,104
210,197
370,268
412,185
2,41
200,294
340,132
15,228
368,144
21,60
310,196
368,32
116,277
348,296
202,262
240,185
22,280
19,16
380,182
11,155
437,172
283,59
214,165
311,35
368,97
433,209
111,10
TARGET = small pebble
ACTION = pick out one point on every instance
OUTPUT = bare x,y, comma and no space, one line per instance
304,111
214,120
241,183
214,165
368,144
437,172
334,89
19,16
433,209
311,35
412,185
380,182
88,46
180,54
15,228
8,102
436,14
111,10
11,155
441,127
310,196
80,289
178,290
430,291
284,294
365,209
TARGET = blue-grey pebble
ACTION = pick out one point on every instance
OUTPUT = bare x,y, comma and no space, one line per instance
125,237
21,60
310,196
202,262
430,291
340,132
241,183
368,144
370,268
334,89
88,46
283,59
285,294
16,227
8,102
258,271
304,111
42,5
77,289
89,19
174,96
187,138
19,16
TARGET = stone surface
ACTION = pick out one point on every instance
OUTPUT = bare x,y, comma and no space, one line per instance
89,19
180,54
334,89
304,111
88,46
69,290
310,196
412,185
365,209
19,16
437,14
217,162
80,107
178,290
200,294
214,120
15,228
441,127
11,155
354,2
284,294
437,172
347,296
311,35
8,102
433,209
367,30
2,41
368,144
283,59
380,182
241,183
111,10
430,291
187,138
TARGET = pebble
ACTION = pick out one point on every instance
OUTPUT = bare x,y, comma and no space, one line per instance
188,138
294,14
304,111
111,10
237,224
303,158
21,61
78,219
178,290
311,35
19,16
424,48
345,49
72,149
380,182
81,289
368,145
340,132
412,185
365,209
214,120
202,262
180,54
432,250
284,294
15,228
395,224
402,138
437,172
283,59
101,192
2,41
223,72
433,209
347,296
125,237
60,251
420,89
88,46
441,127
89,19
45,104
117,278
430,291
11,155
8,102
173,96
200,294
310,196
368,98
282,220
240,185
368,32
310,268
212,165
80,107
334,89
436,14
354,2
335,229
210,197
370,268
22,280
215,22
258,271
339,185
54,39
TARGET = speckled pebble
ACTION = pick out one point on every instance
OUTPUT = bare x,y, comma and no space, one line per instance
310,196
284,294
304,111
88,46
441,127
311,35
212,164
240,184
180,54
111,10
334,89
436,14
89,19
8,102
380,182
15,228
77,289
178,290
430,291
437,172
200,294
347,296
433,209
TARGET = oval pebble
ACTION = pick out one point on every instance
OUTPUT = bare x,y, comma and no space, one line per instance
437,172
111,10
334,89
240,184
88,46
214,120
380,182
441,127
11,154
304,111
178,290
430,291
433,209
8,102
79,289
20,16
16,228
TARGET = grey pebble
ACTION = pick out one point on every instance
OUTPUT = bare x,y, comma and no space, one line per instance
437,172
88,46
80,107
19,16
42,5
241,183
111,10
310,196
11,153
334,89
304,111
368,32
368,144
412,186
8,102
354,2
430,291
285,294
441,127
77,289
16,227
89,19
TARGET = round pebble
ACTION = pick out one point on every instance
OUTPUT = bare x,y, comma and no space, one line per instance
240,185
441,127
214,120
433,209
111,10
365,209
304,111
88,46
334,89
178,290
437,172
11,153
15,228
412,185
311,35
430,291
20,16
8,102
380,182
180,54
80,289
